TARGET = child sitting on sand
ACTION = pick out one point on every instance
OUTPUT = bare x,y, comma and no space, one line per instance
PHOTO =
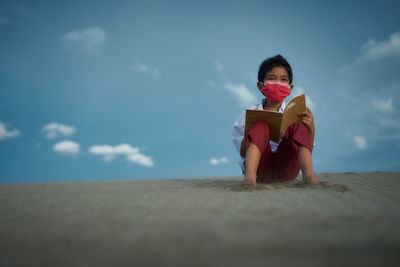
262,159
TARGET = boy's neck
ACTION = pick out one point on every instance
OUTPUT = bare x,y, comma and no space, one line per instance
269,105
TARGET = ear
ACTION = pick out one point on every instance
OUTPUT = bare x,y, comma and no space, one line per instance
260,86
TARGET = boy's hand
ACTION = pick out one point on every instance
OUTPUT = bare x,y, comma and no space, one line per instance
307,119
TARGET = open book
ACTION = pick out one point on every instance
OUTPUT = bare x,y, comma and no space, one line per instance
277,122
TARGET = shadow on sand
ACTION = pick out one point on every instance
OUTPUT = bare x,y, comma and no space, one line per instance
234,185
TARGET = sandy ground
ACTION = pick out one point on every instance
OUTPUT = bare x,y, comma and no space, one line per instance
351,219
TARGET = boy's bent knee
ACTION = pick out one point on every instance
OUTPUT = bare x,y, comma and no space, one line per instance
259,126
297,126
298,135
259,135
296,129
259,130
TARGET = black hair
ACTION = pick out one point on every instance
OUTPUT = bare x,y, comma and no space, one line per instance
271,63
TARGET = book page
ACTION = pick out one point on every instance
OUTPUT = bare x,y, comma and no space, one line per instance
272,118
295,106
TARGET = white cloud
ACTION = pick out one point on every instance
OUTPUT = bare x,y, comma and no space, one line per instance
110,153
142,68
140,159
375,67
383,105
218,66
368,88
365,95
91,39
244,96
216,161
132,154
385,49
122,149
54,130
67,147
360,141
4,133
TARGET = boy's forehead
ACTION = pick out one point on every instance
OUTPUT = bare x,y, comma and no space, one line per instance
277,71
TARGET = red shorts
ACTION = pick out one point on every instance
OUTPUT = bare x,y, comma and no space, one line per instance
282,165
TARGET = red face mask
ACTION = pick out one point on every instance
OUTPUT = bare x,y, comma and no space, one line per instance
276,91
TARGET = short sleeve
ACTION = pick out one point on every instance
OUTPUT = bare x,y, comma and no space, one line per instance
238,130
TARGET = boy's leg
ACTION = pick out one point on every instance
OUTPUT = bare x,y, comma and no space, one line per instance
293,154
253,156
257,152
306,166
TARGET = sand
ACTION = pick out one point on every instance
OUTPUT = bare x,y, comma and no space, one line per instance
350,219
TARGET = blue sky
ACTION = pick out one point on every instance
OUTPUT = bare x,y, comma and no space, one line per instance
102,90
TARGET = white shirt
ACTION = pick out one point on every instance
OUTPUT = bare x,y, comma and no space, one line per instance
238,130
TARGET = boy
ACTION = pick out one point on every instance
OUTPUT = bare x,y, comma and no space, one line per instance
262,159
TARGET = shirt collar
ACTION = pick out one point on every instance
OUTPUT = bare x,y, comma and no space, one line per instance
281,109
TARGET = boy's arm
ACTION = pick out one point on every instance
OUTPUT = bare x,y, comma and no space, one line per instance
308,120
238,132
